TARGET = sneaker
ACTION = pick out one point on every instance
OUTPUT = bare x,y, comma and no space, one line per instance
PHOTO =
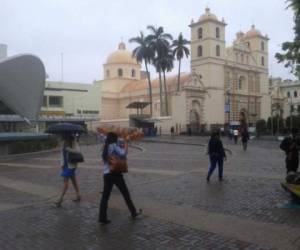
58,203
138,213
104,222
78,199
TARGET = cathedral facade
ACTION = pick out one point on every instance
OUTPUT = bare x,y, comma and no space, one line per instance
224,85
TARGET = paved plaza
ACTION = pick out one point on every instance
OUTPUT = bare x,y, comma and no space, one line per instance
167,179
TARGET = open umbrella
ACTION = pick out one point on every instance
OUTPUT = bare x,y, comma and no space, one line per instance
65,128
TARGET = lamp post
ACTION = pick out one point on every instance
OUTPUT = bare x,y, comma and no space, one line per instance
291,112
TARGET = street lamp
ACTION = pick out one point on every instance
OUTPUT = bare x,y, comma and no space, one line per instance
291,111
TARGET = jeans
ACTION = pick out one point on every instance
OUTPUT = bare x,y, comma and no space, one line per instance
109,181
214,160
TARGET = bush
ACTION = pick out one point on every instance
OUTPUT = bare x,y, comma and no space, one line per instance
20,147
261,126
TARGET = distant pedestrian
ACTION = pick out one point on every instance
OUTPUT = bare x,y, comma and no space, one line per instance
216,154
244,137
235,135
290,145
110,178
189,131
70,145
172,131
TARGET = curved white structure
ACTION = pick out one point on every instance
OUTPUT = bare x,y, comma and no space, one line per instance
22,83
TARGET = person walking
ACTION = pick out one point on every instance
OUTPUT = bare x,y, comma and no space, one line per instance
216,154
235,135
68,169
290,145
111,178
244,137
172,131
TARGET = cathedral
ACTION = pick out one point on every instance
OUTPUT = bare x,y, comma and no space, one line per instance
224,84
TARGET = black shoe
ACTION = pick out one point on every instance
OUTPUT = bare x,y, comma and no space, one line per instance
221,179
138,213
207,179
104,222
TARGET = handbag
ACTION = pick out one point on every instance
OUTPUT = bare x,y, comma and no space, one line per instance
75,157
117,165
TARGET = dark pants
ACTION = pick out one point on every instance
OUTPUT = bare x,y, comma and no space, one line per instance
235,139
292,164
214,160
109,181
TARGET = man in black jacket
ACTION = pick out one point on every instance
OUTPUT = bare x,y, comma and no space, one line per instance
216,154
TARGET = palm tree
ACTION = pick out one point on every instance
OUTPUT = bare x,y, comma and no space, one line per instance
159,43
144,53
179,51
167,65
157,65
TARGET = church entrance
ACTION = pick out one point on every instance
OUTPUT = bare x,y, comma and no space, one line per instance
195,117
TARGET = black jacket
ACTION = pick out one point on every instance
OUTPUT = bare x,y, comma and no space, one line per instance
215,147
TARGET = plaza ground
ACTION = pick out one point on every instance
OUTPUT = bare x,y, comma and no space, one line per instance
167,180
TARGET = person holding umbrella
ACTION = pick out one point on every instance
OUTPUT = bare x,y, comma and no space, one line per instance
68,165
68,169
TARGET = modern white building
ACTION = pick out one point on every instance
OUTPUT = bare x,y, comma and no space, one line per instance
285,97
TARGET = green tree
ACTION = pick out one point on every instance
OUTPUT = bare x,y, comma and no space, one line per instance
143,52
291,55
159,42
180,50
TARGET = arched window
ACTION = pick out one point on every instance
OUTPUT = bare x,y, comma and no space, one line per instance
218,53
120,72
262,61
242,58
288,94
200,35
262,45
133,73
200,51
107,73
295,94
217,32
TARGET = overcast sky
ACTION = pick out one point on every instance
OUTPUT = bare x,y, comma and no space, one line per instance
87,31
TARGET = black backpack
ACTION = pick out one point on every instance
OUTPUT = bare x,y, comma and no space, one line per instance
285,144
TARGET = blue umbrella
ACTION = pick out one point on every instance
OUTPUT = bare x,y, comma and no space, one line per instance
65,128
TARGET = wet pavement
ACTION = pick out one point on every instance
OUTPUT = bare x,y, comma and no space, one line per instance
167,180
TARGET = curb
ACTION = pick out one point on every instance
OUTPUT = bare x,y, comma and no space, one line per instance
25,155
182,143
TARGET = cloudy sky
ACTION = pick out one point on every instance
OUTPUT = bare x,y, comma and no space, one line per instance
87,31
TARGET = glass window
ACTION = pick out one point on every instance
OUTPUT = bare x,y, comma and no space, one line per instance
107,73
218,50
133,73
200,33
45,104
262,61
55,101
217,32
200,52
120,72
288,94
295,94
262,46
241,83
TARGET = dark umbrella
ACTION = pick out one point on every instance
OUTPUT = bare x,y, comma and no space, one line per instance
65,128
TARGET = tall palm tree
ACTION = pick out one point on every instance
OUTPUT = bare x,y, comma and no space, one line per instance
157,64
166,66
144,53
159,43
180,50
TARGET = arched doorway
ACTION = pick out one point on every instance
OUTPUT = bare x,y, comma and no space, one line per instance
195,116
